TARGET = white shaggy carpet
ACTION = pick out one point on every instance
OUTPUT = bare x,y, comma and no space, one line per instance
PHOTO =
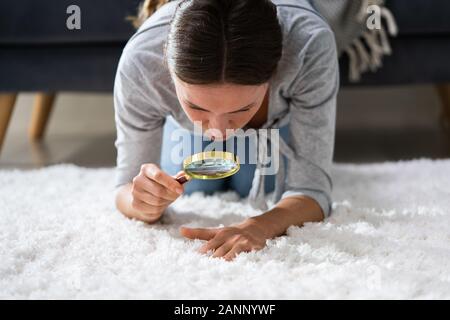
389,237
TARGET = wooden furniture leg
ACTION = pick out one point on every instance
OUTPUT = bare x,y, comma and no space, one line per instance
444,92
7,101
42,108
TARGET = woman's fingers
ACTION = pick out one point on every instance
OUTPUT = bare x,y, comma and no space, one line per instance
146,209
237,248
156,174
198,233
214,243
228,242
224,244
180,174
149,198
159,191
223,250
152,192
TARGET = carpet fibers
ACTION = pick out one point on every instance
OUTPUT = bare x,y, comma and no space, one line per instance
388,237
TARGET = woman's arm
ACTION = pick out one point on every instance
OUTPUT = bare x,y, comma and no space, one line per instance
124,203
290,211
143,190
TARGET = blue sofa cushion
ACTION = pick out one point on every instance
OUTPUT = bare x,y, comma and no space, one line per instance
44,21
421,17
103,21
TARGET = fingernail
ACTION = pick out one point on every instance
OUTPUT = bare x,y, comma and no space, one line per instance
179,190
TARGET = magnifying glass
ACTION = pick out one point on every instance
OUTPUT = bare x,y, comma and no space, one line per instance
209,165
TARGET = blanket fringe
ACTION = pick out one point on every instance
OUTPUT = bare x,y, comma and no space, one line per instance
367,51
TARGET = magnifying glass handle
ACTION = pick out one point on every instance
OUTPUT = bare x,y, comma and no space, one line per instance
182,179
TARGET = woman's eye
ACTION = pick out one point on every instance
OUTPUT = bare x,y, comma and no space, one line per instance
196,109
240,111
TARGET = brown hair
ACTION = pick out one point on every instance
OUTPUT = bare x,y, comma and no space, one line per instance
221,41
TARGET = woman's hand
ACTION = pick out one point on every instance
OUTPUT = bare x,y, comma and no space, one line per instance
252,233
150,193
228,242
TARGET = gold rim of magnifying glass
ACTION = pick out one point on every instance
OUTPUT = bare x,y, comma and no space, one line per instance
212,155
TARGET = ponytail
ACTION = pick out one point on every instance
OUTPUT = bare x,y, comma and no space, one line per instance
146,9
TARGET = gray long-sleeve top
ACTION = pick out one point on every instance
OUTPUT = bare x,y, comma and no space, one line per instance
302,93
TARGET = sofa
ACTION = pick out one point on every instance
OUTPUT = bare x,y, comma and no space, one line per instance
38,53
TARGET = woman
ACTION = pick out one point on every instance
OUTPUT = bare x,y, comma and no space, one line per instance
230,64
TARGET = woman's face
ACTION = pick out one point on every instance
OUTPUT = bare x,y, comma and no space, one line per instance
220,107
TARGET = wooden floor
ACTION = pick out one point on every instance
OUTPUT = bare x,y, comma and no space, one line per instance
372,126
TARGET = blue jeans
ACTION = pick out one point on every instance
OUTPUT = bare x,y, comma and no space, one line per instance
240,182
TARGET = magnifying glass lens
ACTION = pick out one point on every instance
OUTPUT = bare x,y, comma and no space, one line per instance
211,165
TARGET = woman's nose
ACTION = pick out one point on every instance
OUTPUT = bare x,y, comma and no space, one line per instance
217,129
